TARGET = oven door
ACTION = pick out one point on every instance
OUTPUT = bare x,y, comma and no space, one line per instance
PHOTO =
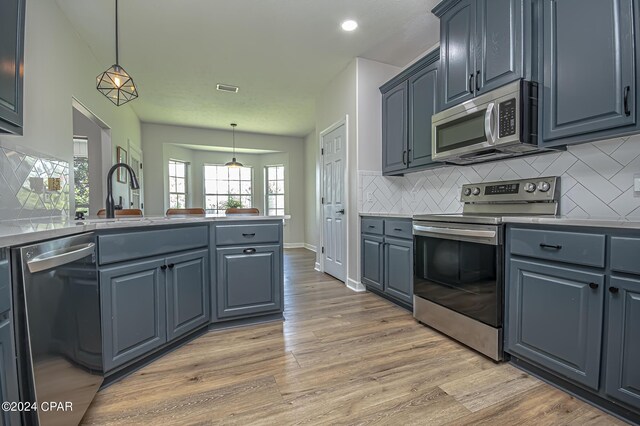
460,267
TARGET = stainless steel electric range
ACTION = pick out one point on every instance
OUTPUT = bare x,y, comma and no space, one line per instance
459,259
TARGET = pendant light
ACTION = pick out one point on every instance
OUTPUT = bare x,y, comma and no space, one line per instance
233,163
115,83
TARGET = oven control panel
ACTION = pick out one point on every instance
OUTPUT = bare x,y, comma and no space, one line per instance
523,190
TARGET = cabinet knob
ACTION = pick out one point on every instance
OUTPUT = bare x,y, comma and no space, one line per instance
163,267
593,286
613,290
171,265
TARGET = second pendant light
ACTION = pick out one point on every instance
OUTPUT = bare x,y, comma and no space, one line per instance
233,162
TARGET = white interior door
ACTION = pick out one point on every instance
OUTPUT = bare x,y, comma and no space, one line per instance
135,195
333,217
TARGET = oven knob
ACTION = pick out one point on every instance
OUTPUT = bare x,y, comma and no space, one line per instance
466,192
476,191
543,186
530,187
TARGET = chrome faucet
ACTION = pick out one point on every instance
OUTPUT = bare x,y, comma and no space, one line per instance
111,208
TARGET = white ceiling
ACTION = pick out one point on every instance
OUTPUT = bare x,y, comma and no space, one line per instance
224,149
281,53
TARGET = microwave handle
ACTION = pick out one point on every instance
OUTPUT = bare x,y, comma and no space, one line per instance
489,123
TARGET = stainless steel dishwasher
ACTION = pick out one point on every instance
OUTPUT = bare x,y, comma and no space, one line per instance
58,332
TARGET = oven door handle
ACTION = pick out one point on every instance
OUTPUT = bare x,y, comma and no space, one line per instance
472,233
60,257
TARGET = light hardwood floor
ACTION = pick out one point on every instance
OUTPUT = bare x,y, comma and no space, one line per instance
339,358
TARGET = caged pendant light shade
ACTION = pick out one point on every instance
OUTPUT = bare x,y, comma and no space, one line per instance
234,163
115,83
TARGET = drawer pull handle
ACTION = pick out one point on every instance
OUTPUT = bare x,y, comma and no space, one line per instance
163,267
593,286
550,246
253,234
372,226
171,265
613,290
249,251
397,229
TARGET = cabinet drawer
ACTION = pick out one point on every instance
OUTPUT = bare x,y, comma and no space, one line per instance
398,228
135,245
247,234
372,225
624,254
570,247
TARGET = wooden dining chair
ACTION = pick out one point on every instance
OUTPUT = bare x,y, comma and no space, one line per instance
102,213
196,211
246,211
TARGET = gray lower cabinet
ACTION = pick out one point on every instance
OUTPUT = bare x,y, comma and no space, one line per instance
8,370
372,261
249,280
187,292
583,96
555,318
622,380
398,268
133,310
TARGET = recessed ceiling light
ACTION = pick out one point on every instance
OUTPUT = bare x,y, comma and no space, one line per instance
349,25
227,88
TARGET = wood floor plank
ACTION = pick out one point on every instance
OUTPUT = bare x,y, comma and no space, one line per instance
340,357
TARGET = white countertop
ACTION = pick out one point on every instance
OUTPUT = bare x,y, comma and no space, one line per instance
26,231
594,222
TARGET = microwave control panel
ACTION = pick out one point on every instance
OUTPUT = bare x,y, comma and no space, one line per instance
507,118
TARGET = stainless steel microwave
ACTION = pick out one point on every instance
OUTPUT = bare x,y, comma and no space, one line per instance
498,124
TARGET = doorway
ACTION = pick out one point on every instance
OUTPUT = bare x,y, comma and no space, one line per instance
333,143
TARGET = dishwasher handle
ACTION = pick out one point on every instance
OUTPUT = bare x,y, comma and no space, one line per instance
60,257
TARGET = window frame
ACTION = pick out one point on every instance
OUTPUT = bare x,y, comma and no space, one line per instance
205,194
283,193
186,183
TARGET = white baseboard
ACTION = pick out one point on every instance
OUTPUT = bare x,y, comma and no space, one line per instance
317,267
294,245
310,247
355,285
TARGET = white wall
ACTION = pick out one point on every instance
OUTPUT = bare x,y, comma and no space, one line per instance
159,144
59,66
311,185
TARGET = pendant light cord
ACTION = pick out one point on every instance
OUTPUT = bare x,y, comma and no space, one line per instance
117,58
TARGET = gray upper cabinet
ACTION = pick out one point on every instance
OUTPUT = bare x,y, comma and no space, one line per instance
394,129
589,69
499,34
482,47
457,53
133,310
372,261
623,349
187,292
11,57
422,105
398,269
249,280
555,318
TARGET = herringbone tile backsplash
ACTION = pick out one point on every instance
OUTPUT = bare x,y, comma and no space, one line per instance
24,191
596,181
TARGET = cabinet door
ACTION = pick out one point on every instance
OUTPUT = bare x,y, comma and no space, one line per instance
457,54
133,310
11,54
422,105
499,35
394,129
622,379
398,269
187,292
372,261
249,280
8,373
589,67
555,319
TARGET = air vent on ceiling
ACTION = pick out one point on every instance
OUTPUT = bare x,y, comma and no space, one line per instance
227,88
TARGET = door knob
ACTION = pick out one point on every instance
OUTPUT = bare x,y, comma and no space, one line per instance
340,211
